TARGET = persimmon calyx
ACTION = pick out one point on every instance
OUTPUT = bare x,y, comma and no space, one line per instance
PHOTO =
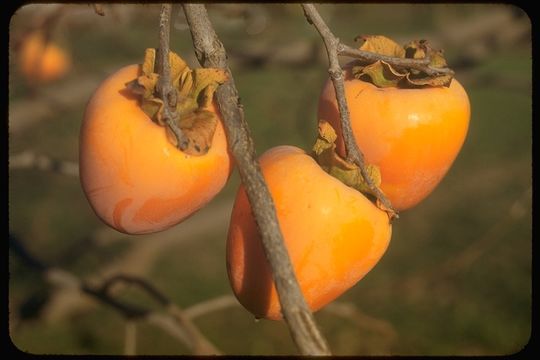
194,95
383,74
324,152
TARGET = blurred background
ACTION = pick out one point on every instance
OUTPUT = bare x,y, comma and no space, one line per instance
456,279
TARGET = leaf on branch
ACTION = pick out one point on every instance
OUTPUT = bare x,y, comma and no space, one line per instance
382,45
416,49
383,74
194,95
198,127
324,152
430,81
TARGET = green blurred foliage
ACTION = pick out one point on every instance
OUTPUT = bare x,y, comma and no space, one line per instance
482,307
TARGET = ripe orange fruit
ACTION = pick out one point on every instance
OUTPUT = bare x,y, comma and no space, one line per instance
134,178
42,62
334,235
413,135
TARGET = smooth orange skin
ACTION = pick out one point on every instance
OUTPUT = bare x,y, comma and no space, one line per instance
333,234
42,62
134,178
413,135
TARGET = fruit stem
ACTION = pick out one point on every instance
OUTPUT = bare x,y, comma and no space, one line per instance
166,91
354,155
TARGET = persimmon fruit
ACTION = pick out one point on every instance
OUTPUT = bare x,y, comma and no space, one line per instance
412,134
42,61
334,235
135,179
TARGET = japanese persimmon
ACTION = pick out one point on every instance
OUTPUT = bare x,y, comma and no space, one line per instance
413,133
42,61
134,176
334,235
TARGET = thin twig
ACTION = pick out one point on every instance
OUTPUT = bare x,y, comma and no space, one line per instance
197,342
177,323
211,53
166,91
30,160
418,64
354,154
211,305
346,310
350,311
133,280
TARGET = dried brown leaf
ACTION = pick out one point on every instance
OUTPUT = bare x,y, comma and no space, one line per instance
380,73
199,128
324,152
381,45
429,81
195,90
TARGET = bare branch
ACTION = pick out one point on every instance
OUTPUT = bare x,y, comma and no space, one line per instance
211,53
177,323
166,91
208,306
30,160
354,154
133,280
348,310
197,342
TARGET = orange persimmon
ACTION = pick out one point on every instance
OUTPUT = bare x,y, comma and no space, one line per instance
42,61
334,235
412,135
135,179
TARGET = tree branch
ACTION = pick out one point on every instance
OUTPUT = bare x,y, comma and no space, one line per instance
173,321
354,154
166,92
211,305
418,64
211,53
346,310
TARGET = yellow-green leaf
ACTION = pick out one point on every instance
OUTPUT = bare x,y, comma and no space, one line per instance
198,127
149,61
152,107
381,74
415,49
177,66
432,81
437,59
195,90
324,152
381,45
